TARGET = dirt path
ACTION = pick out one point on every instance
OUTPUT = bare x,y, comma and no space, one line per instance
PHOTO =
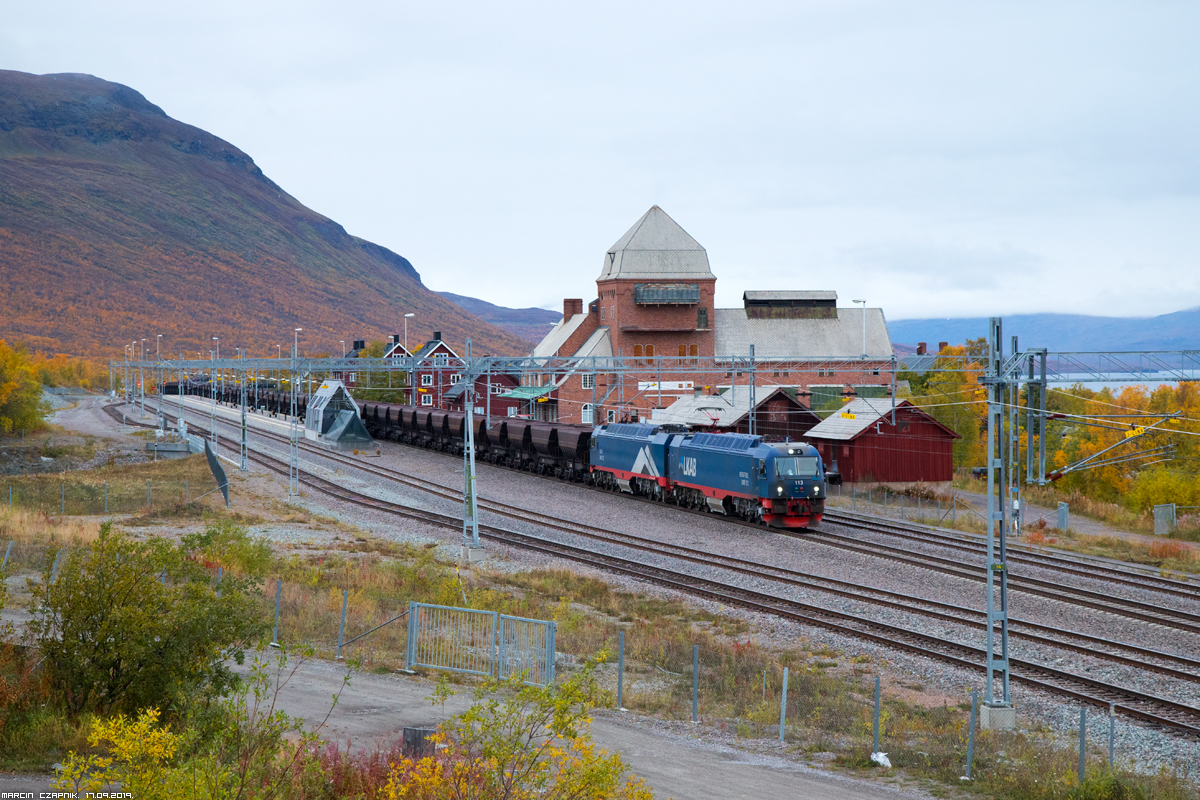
673,757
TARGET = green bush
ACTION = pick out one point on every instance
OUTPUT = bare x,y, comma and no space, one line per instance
117,637
226,544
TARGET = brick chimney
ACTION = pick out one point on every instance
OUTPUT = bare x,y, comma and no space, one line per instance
571,307
437,336
942,346
920,348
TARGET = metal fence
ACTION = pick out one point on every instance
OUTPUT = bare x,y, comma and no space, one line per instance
480,642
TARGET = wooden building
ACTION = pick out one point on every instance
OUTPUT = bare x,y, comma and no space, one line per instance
865,445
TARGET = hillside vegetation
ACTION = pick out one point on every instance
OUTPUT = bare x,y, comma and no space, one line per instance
118,222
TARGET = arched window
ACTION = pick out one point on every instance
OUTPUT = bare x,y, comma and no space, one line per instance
587,417
649,351
637,351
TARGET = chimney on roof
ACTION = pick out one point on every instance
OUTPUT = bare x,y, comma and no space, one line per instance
920,348
437,336
571,307
942,346
360,344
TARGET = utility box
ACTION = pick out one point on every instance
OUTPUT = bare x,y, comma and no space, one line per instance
333,419
1064,516
1164,519
417,743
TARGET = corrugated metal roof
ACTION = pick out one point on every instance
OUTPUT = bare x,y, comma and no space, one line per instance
656,248
558,336
783,295
527,392
723,410
599,344
776,338
866,411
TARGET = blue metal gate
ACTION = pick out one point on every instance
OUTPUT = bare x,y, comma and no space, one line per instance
480,643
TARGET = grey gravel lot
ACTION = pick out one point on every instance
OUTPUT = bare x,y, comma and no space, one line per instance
1146,746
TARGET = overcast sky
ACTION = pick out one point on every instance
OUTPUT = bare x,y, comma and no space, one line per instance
937,159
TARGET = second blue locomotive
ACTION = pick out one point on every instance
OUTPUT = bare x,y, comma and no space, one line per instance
779,483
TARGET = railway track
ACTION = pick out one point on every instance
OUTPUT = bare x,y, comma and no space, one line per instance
1018,553
1148,708
1052,590
1099,601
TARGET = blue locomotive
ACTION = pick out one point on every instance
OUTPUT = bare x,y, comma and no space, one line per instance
779,483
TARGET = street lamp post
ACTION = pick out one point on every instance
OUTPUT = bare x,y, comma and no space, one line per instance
217,339
293,428
142,375
158,369
212,405
343,341
412,399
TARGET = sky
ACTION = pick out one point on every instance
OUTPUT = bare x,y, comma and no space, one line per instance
939,159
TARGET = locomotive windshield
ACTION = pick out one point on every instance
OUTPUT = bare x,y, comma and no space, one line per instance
796,467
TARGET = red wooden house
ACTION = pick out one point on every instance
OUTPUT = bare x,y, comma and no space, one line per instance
864,445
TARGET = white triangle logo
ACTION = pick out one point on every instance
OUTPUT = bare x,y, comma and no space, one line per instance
644,463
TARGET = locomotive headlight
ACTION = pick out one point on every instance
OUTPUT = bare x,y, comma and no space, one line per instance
780,488
816,490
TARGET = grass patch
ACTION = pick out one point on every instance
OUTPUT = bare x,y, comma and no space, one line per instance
171,481
1168,555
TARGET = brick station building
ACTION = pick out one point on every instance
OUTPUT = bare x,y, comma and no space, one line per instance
655,308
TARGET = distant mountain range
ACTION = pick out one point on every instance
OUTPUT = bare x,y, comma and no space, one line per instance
1062,332
118,223
530,324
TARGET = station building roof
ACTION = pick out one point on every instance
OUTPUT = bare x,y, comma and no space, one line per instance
656,248
800,338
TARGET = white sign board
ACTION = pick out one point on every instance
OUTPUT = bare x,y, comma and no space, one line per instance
666,386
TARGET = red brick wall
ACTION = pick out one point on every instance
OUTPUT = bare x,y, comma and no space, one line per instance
635,324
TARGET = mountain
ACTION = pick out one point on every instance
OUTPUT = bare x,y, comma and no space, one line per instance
118,222
1179,330
531,324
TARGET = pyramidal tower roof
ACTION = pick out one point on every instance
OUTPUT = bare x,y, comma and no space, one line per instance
656,249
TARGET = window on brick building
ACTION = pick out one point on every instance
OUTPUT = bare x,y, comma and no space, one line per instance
587,415
589,381
702,318
611,415
649,351
637,351
683,351
602,310
694,351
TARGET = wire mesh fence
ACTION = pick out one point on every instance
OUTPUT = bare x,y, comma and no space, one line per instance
80,497
821,701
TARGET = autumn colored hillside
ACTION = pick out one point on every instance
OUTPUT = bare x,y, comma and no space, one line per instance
118,223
